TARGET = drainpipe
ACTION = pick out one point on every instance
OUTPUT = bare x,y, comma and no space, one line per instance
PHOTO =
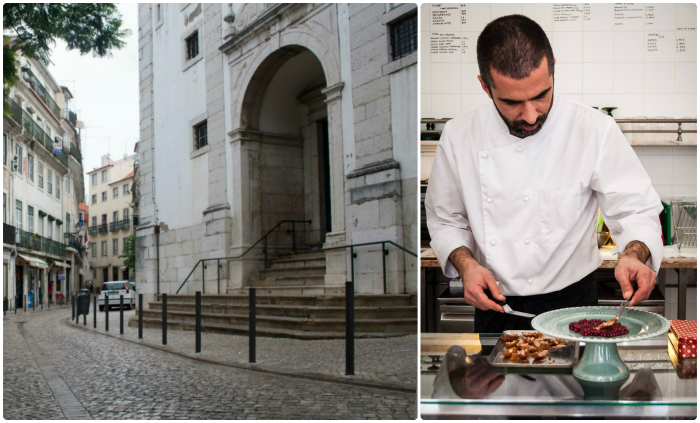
157,229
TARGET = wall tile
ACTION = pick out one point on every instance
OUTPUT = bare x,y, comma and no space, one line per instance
659,168
628,78
690,40
683,150
686,16
685,170
686,78
446,105
600,100
664,17
629,46
470,82
540,13
568,47
472,101
658,78
685,190
629,105
685,105
656,105
479,17
573,97
601,17
426,109
425,56
658,150
598,47
665,192
568,77
468,55
598,78
425,85
446,78
504,9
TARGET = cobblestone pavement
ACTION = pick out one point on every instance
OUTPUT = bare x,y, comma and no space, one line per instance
388,360
114,379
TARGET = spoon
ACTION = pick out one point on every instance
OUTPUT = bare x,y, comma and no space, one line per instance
617,316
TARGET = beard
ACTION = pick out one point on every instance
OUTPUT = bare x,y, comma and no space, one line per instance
517,127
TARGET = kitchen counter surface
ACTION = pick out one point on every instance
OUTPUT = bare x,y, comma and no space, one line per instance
470,391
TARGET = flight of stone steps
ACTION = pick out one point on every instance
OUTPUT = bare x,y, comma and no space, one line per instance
292,302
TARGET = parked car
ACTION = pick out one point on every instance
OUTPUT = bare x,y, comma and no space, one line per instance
113,290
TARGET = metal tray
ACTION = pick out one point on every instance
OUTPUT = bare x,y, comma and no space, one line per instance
560,356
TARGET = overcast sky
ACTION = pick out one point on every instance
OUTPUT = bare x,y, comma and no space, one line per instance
106,94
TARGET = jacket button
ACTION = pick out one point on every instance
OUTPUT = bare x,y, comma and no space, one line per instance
526,199
520,150
484,155
527,241
489,200
529,281
493,242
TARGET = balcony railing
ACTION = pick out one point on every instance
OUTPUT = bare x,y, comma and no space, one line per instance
124,224
72,241
43,93
115,226
92,230
70,115
8,234
102,228
33,128
36,242
75,152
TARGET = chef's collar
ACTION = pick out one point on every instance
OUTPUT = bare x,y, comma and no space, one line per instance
545,128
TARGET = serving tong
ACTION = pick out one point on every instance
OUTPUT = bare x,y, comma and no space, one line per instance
614,320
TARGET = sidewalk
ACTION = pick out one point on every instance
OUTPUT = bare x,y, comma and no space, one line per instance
389,363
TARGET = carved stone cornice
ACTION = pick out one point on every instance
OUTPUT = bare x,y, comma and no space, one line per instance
332,93
266,19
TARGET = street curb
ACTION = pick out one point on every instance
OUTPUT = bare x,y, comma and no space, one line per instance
257,368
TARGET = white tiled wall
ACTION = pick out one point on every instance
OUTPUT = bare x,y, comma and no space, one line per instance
673,170
600,61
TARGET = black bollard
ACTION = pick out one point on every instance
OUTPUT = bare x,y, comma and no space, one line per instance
94,312
140,316
251,328
349,328
121,315
72,303
165,319
106,313
25,303
85,315
198,323
4,307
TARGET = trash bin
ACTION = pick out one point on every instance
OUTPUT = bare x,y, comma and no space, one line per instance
30,300
83,301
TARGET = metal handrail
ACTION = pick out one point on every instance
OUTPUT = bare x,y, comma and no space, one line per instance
264,238
352,247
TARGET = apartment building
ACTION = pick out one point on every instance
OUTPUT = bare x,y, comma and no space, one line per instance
42,187
110,218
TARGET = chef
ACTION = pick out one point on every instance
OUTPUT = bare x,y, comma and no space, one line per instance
516,185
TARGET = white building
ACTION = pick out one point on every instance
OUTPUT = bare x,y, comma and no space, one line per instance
110,218
252,114
41,190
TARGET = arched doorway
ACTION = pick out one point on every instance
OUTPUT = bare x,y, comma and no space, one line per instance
284,109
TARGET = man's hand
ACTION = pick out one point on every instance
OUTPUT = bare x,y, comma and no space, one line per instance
631,271
476,280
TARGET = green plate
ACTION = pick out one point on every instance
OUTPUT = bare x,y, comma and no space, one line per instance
640,324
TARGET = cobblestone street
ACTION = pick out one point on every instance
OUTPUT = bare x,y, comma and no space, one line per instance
54,371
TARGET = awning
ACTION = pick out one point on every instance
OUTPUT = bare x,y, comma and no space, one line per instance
61,264
33,261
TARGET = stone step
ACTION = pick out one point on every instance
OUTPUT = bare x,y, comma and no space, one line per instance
309,312
290,281
319,271
265,332
298,263
308,254
326,300
406,325
314,289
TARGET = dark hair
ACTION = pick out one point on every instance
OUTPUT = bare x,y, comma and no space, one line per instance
514,46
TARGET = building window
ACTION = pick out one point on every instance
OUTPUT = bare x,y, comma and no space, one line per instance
4,208
126,188
104,176
67,184
115,273
104,196
123,244
41,225
58,187
115,216
200,135
94,250
404,36
4,149
18,153
104,248
49,185
104,219
41,175
30,167
192,45
50,232
94,221
18,207
94,198
125,214
94,179
115,192
68,221
30,219
115,246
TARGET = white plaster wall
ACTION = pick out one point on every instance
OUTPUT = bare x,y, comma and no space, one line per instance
404,120
347,108
181,183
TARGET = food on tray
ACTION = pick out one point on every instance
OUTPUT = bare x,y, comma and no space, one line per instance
588,327
607,324
533,346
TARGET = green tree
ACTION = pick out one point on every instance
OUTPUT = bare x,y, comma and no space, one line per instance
32,29
129,253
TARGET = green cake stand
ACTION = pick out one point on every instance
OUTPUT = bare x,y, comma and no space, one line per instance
600,370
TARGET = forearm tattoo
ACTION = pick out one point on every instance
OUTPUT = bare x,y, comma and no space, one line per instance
638,250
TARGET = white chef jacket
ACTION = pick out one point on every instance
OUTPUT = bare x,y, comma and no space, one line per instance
527,208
